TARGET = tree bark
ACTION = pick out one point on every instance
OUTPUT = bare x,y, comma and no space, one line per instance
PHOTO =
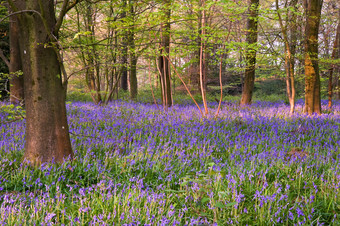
133,57
251,39
163,62
47,133
289,51
312,77
203,62
124,59
331,69
15,65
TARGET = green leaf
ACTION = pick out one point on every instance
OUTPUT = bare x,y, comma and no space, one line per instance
204,200
231,204
175,191
184,183
220,205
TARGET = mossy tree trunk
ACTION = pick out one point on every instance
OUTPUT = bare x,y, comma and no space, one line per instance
335,55
15,65
251,39
133,55
163,59
312,77
124,52
47,133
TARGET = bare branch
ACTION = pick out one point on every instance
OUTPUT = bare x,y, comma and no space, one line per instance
20,12
4,58
61,17
64,9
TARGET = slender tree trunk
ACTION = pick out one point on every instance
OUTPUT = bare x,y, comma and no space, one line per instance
47,134
312,77
133,57
133,77
195,66
251,39
124,57
289,52
15,66
203,62
164,66
335,53
292,46
92,56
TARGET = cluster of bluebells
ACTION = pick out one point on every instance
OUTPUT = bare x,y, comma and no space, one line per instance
137,165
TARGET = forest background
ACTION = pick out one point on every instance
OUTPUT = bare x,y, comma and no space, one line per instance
226,159
112,46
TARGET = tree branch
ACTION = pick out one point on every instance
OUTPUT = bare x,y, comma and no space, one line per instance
20,12
61,17
64,9
4,58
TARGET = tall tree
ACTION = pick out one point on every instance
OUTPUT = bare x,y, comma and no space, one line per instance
203,59
4,51
251,39
290,47
124,55
133,55
163,59
335,55
312,77
47,133
15,66
89,52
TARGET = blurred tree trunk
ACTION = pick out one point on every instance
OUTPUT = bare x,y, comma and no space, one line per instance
312,77
93,70
124,53
133,56
251,39
203,59
47,133
290,49
15,65
163,59
335,55
196,56
89,54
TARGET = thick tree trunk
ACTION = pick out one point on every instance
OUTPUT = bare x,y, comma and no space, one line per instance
15,66
163,60
312,77
251,39
47,133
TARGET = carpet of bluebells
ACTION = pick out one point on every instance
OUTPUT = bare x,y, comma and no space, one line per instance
137,165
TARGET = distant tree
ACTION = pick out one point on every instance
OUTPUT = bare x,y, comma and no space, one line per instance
335,55
132,52
251,40
290,48
163,59
15,66
124,48
4,51
312,76
89,54
47,133
203,64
